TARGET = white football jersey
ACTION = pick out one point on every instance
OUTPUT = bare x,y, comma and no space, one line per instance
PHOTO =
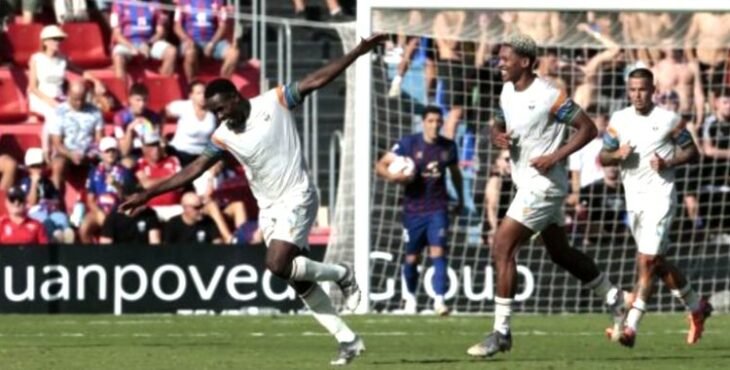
270,150
650,134
537,119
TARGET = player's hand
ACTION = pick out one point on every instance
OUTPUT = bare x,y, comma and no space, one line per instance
395,90
208,50
369,43
658,163
133,205
624,151
543,163
502,140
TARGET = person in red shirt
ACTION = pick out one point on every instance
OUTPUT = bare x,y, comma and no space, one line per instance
16,227
155,166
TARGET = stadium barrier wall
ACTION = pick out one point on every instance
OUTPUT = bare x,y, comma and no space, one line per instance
140,279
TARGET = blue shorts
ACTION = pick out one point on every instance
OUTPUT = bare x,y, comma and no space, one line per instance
420,231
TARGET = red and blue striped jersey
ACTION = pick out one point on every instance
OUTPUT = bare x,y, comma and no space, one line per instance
200,18
137,21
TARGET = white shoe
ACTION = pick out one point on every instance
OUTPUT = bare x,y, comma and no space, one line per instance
439,307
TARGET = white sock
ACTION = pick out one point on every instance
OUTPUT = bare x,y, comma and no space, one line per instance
438,301
324,312
635,313
601,286
502,313
688,297
305,269
336,11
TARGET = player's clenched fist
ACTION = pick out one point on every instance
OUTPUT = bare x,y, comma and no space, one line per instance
624,151
543,163
658,163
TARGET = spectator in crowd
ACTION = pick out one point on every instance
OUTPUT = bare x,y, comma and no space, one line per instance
46,76
16,227
75,132
447,28
45,202
70,10
675,74
706,33
584,165
134,121
156,166
226,195
142,228
8,169
497,195
195,124
716,165
543,27
586,93
602,203
29,8
548,67
191,226
201,27
645,28
419,51
103,188
488,76
139,30
333,6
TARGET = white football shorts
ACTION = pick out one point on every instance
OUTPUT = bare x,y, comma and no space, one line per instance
537,210
290,220
650,227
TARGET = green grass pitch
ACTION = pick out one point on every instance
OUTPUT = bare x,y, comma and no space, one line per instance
393,342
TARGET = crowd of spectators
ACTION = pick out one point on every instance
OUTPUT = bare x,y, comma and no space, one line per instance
128,151
461,75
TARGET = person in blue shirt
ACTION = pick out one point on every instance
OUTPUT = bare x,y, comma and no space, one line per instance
425,202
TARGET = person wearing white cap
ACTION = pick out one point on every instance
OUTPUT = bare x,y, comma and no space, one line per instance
44,201
103,189
47,75
156,166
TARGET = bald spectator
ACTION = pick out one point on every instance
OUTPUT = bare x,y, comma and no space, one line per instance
75,132
16,227
201,27
191,226
142,228
139,30
586,93
675,74
706,41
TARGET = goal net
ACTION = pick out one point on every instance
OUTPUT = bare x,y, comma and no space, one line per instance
453,64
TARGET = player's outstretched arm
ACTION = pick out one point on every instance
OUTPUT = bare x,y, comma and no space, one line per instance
180,179
324,75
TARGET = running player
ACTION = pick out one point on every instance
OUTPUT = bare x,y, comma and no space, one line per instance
425,213
262,135
532,123
642,139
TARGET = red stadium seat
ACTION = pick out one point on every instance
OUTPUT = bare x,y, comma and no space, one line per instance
13,105
84,45
163,90
23,40
16,139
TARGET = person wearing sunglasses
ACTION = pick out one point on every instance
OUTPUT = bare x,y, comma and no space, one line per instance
192,226
16,227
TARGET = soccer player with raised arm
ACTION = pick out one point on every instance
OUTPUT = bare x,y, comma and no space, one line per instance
533,122
425,203
262,135
642,139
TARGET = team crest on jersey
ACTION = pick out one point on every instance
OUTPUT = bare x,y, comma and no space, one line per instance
419,154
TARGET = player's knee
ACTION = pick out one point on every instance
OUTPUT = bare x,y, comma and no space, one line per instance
278,266
501,252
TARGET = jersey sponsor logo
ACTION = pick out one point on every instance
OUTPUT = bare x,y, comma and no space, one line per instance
8,230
